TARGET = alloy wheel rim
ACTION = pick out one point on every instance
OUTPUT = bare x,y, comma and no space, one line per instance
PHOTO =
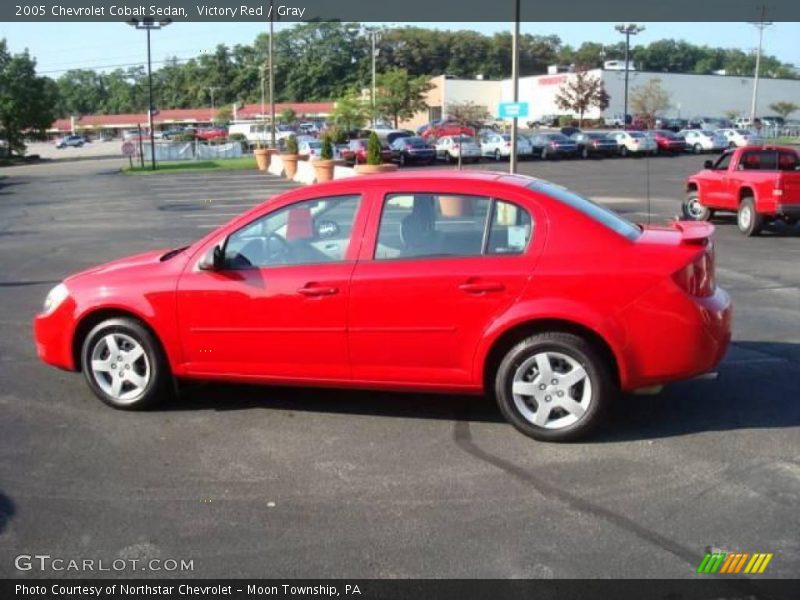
695,208
551,390
120,367
745,217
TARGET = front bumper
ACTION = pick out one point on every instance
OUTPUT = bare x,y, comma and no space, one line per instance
53,333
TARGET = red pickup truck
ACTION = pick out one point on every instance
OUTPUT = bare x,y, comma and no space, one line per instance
759,183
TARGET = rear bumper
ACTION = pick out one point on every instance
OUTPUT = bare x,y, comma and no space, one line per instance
674,336
789,210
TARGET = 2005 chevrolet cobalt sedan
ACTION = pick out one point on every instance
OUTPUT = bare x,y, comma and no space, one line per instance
435,281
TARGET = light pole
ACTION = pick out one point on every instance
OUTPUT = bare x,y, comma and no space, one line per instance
271,76
627,30
263,103
512,161
148,25
761,24
211,90
373,33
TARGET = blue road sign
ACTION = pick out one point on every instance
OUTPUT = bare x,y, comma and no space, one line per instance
509,110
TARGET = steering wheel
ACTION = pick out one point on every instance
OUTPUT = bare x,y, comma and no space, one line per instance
278,252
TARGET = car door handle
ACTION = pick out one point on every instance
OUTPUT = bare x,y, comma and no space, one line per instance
313,291
481,287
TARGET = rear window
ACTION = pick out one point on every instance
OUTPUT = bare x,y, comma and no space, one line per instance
768,160
592,210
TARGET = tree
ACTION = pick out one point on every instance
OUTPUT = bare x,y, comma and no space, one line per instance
223,117
26,100
400,96
582,92
288,116
349,113
467,113
649,100
784,109
374,150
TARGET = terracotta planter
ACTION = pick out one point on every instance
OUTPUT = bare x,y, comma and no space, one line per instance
263,156
290,164
324,170
372,169
455,206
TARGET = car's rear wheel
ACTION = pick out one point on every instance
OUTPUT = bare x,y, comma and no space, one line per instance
698,149
553,386
623,151
402,160
694,210
585,152
124,365
749,221
497,155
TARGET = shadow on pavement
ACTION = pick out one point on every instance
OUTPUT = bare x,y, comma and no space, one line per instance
6,510
757,389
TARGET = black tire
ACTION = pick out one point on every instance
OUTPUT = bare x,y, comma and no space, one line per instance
584,152
694,210
698,149
598,373
545,155
159,386
497,156
623,151
402,159
752,224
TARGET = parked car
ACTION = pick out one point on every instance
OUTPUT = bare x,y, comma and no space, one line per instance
212,133
570,131
311,149
172,133
553,145
699,141
423,281
633,142
450,148
446,128
759,183
410,150
616,120
595,143
667,142
70,141
498,146
739,137
356,152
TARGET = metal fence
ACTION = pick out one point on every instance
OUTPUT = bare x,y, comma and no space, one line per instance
174,151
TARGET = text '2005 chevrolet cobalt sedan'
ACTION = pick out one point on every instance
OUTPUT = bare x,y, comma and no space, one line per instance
436,281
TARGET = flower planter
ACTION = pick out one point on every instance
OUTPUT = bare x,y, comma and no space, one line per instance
455,206
290,164
324,169
263,156
372,169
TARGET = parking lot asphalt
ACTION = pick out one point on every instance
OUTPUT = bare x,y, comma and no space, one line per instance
273,482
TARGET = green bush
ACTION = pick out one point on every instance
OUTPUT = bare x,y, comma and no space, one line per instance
327,148
185,137
374,150
291,145
237,137
565,120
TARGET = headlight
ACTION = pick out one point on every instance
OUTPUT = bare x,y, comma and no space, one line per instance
55,297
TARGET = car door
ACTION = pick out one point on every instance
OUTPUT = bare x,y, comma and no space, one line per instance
435,269
277,308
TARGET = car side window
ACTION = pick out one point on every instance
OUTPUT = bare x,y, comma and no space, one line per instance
723,162
309,232
435,225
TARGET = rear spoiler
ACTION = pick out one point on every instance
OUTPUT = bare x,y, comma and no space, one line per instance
694,232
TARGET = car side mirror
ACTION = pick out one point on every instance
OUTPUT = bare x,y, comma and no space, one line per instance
708,165
214,260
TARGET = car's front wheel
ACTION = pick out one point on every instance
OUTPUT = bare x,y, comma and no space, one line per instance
124,365
554,386
698,149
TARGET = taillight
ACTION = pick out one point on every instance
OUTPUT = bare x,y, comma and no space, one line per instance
778,191
697,278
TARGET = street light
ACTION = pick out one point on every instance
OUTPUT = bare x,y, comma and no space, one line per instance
373,33
149,25
627,30
761,24
512,161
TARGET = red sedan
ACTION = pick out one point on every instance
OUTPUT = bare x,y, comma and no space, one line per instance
668,142
356,152
468,282
212,133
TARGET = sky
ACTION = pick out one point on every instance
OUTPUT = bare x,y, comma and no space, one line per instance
62,46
